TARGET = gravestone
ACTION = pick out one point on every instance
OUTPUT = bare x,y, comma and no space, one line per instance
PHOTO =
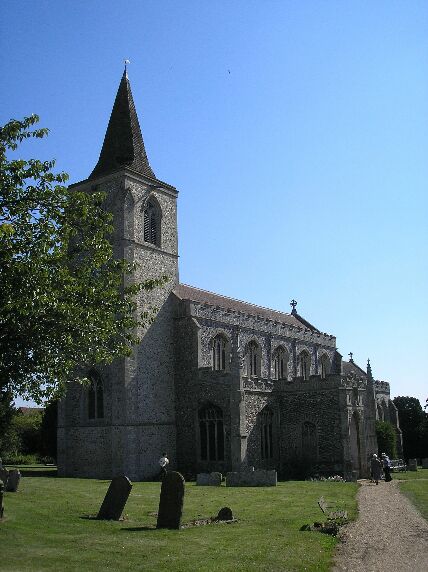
209,479
1,498
13,481
4,475
413,465
115,500
425,463
252,478
225,513
171,501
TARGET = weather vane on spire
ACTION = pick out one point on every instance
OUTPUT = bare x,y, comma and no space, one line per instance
126,67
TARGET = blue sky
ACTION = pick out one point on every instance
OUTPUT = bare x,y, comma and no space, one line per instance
296,133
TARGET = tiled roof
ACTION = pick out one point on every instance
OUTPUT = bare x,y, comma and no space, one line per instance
197,295
123,143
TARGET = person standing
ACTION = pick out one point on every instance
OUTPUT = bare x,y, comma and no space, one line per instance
386,467
163,463
376,468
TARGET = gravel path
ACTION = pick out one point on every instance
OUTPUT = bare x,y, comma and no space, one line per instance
388,536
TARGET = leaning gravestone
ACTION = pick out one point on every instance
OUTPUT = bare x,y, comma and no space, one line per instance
13,481
115,500
171,501
413,465
425,463
1,498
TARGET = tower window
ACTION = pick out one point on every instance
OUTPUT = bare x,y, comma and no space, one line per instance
152,223
95,397
266,419
211,432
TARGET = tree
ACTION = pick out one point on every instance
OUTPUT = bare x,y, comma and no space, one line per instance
412,423
63,303
386,439
8,441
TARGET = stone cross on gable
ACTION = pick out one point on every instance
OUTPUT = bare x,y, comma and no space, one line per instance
351,355
293,304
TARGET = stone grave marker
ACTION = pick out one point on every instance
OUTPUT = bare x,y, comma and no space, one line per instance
225,513
13,480
4,475
425,463
413,465
209,479
1,498
171,501
115,500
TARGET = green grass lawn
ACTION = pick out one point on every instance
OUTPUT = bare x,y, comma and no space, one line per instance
414,484
46,527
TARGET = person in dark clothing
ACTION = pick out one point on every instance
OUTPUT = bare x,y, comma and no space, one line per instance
386,467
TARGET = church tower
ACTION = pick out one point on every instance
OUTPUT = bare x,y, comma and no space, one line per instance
123,423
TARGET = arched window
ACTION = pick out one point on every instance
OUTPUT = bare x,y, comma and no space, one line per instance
220,351
211,433
266,422
324,366
309,440
280,363
304,367
151,217
253,359
95,396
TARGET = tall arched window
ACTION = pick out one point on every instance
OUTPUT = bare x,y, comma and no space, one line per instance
309,440
266,422
211,433
220,351
151,217
324,366
253,359
304,365
280,363
95,396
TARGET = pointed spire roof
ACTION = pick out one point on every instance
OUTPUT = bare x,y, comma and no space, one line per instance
123,143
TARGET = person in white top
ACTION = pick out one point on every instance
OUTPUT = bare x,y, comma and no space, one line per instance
163,463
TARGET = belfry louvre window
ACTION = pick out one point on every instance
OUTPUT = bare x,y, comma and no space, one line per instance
219,353
211,433
266,421
95,397
151,224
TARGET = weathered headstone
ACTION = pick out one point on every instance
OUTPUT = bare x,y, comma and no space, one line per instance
225,513
209,479
252,478
13,481
425,463
171,501
1,498
115,500
413,465
4,476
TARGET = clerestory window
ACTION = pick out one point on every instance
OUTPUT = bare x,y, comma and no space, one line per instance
304,365
280,363
219,353
253,359
324,366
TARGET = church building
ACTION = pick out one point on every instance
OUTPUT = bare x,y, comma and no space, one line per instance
217,383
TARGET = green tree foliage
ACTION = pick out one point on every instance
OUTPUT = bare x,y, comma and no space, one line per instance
8,442
386,439
26,426
48,430
414,426
63,303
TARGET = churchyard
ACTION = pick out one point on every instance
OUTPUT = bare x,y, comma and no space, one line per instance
50,524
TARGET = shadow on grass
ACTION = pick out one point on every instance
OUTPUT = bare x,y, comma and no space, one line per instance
43,473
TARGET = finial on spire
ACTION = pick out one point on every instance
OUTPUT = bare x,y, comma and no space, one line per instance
126,68
351,355
369,370
293,304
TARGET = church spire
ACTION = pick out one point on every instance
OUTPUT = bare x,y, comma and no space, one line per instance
123,143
